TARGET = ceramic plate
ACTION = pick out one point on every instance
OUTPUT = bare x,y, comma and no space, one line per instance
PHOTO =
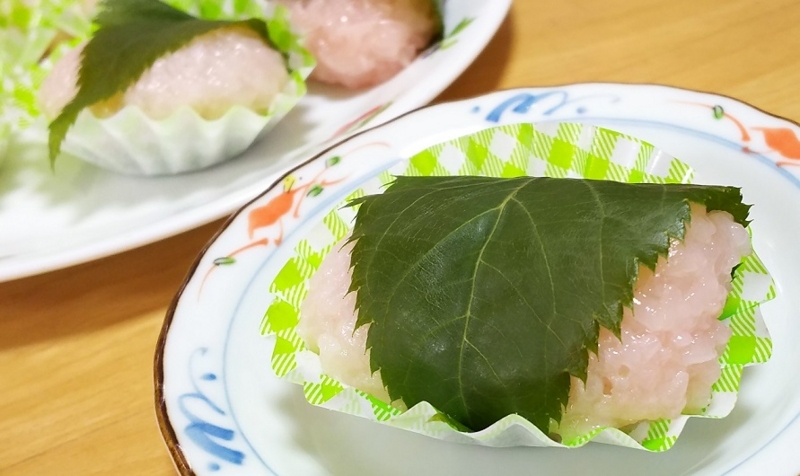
222,411
95,213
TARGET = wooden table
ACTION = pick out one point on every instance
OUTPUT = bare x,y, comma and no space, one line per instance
76,345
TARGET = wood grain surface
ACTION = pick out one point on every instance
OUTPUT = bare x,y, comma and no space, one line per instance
76,345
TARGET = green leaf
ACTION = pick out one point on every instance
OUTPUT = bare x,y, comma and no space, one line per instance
485,294
438,8
450,38
460,27
314,191
131,36
224,261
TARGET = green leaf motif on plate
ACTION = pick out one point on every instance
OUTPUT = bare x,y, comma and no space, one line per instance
485,295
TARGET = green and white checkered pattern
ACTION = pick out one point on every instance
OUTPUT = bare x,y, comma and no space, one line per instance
552,150
27,29
555,150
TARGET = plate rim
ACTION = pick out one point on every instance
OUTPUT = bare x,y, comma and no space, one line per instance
168,433
167,430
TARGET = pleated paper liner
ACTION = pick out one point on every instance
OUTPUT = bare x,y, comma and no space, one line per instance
554,150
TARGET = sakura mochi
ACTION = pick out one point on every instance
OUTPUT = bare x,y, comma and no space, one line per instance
592,300
664,364
157,91
361,43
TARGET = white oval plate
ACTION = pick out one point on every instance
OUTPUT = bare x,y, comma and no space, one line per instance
222,411
95,213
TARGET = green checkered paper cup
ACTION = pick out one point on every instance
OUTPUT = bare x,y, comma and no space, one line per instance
129,141
27,30
562,150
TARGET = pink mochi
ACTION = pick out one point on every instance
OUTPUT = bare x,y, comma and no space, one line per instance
361,43
214,72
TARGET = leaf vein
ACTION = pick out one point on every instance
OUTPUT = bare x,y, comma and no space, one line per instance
500,209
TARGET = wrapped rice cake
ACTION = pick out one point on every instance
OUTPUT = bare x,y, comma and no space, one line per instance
158,91
492,312
362,43
573,308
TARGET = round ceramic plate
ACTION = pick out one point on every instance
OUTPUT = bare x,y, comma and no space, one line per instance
222,411
95,213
